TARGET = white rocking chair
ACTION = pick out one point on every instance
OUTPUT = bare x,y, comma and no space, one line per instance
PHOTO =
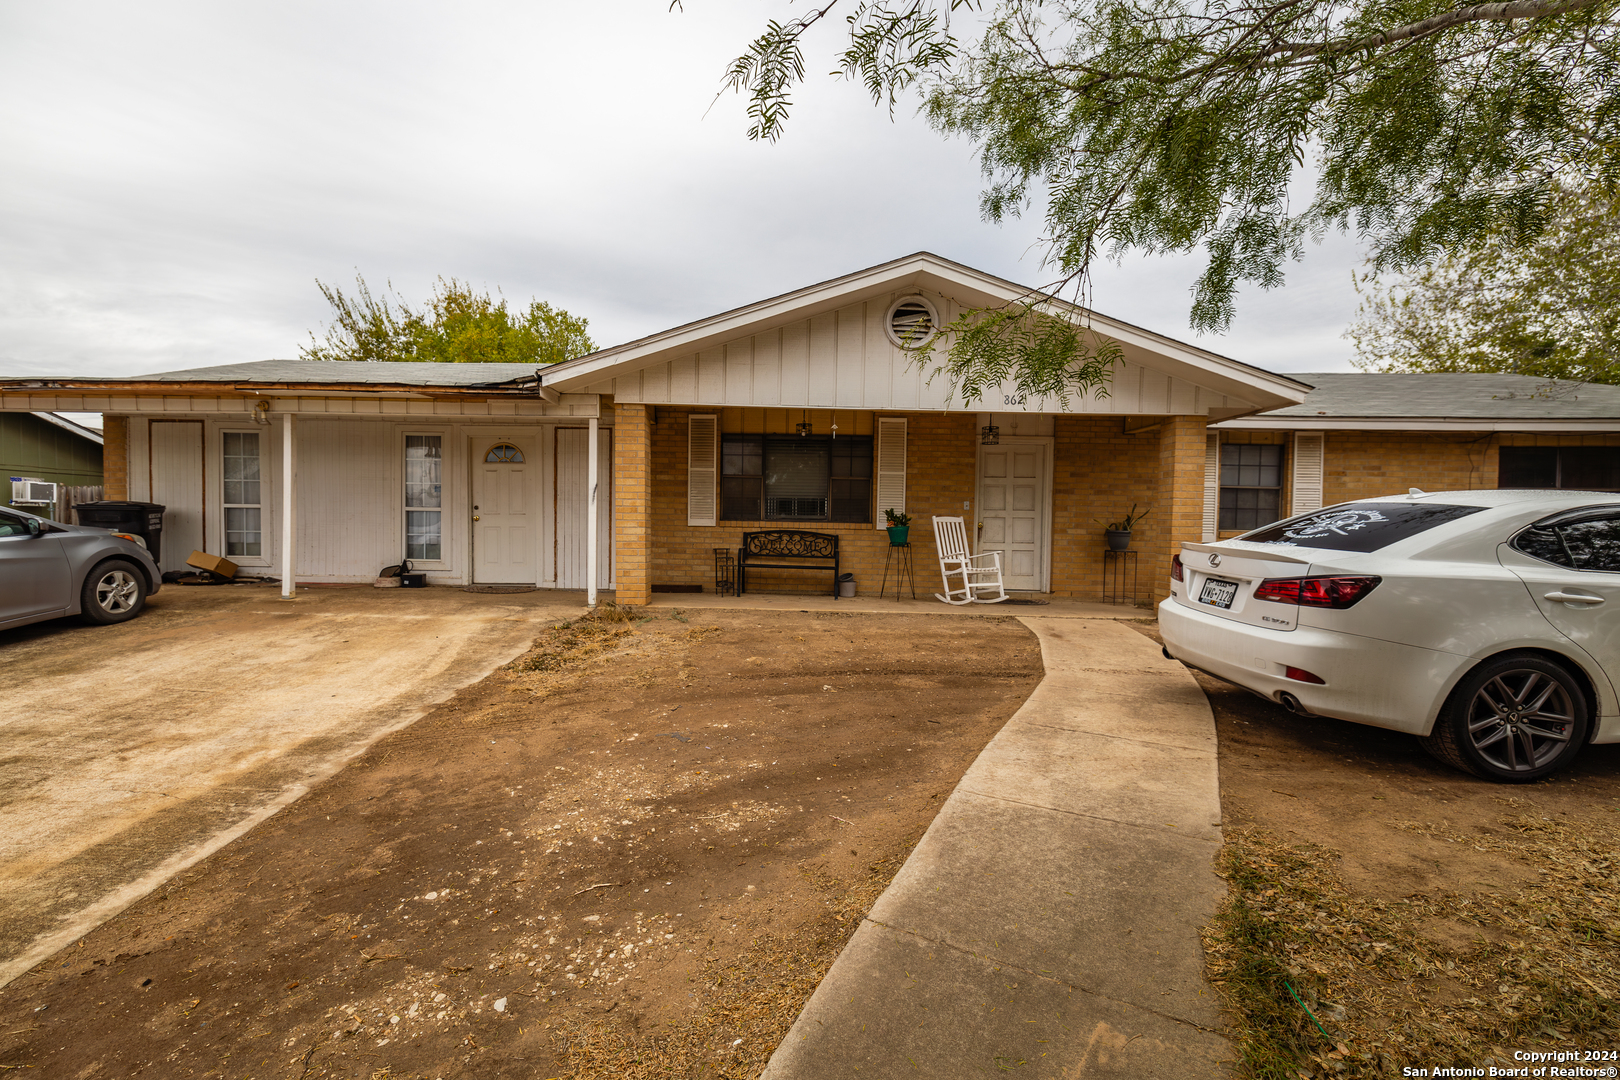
980,574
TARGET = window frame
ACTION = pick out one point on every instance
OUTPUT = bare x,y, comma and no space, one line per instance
265,506
1558,466
1222,523
732,483
405,507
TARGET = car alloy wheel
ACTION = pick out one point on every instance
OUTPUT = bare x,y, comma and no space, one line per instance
1512,719
1520,720
117,592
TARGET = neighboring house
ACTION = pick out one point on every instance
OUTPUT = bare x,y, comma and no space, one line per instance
44,446
799,412
1360,435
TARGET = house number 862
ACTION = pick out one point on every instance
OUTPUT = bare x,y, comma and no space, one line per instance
1013,399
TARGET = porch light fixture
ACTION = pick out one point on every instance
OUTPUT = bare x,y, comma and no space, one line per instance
803,427
989,435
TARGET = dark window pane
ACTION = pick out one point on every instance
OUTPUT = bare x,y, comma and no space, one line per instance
1589,468
740,455
739,498
850,499
1527,467
1594,544
1542,544
1363,526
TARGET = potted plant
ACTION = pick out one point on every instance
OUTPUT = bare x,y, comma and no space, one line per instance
1119,532
899,526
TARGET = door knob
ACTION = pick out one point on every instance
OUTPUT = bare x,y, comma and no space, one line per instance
475,517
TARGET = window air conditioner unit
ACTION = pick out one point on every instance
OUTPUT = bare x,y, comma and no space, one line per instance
26,491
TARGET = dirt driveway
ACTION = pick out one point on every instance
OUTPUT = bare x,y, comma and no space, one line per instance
133,750
630,854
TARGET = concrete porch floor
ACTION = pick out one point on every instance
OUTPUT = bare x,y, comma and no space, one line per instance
1055,607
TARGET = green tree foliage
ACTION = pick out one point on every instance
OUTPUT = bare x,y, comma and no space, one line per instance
457,326
1164,126
1549,309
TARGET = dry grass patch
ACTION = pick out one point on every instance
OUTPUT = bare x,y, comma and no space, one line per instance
751,998
1442,978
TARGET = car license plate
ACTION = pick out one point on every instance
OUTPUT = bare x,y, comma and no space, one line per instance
1218,592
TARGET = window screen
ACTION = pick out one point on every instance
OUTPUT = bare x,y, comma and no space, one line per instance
1251,485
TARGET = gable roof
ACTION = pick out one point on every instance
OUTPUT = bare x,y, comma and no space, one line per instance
605,370
1443,401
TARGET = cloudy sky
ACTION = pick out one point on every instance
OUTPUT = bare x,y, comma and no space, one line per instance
177,176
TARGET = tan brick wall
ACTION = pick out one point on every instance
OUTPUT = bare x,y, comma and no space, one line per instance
1365,464
115,457
1101,465
940,463
1181,497
632,495
1099,470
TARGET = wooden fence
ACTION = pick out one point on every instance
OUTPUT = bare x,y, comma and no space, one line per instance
68,497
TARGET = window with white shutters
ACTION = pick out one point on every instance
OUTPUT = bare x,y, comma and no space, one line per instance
702,437
891,466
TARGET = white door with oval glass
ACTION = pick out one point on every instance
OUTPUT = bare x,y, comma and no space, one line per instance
1014,490
505,518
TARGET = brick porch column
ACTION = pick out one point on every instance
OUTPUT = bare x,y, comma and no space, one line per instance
632,504
1180,505
115,458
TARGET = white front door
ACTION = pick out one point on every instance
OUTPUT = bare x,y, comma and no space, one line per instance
573,503
1013,485
177,483
505,519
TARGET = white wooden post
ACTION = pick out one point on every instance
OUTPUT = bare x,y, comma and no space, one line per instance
590,520
289,505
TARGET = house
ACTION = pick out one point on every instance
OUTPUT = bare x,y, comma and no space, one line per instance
627,469
478,473
1360,435
45,446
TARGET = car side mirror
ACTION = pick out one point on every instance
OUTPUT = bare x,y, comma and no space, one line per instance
33,526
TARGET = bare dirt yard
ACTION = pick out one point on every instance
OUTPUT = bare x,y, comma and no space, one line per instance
1424,917
632,852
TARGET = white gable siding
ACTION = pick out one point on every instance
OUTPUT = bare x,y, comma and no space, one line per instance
844,359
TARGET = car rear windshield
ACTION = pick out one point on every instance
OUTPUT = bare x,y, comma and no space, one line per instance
1363,526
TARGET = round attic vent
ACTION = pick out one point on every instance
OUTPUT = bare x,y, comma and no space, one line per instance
911,320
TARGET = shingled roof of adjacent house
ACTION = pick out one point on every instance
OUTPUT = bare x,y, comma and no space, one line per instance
319,372
1448,400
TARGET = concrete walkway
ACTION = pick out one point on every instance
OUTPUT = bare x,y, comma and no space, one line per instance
1047,923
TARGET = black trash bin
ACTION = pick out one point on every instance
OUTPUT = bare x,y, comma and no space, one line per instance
141,518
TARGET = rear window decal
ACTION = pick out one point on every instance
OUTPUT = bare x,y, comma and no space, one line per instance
1362,527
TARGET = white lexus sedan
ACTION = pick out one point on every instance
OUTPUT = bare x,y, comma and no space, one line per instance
1487,623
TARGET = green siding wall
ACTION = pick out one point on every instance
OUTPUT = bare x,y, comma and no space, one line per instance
37,448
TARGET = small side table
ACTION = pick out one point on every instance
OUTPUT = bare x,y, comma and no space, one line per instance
1120,576
899,557
725,572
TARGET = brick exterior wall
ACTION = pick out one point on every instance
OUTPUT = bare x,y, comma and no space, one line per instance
632,496
941,457
115,458
1100,467
1366,464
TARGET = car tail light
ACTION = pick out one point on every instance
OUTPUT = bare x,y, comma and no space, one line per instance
1175,569
1301,675
1328,592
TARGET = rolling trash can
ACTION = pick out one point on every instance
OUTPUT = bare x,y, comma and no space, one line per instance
141,518
846,586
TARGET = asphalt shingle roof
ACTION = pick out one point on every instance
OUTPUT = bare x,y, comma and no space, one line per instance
1451,396
348,371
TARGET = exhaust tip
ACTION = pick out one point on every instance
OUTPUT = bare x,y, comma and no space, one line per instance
1292,704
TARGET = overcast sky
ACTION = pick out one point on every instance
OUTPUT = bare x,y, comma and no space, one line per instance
177,176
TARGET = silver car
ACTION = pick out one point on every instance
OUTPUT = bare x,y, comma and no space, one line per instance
48,570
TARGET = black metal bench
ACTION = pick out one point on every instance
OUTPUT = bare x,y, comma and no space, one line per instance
787,549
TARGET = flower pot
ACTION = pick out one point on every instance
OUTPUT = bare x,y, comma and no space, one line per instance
898,534
1118,539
